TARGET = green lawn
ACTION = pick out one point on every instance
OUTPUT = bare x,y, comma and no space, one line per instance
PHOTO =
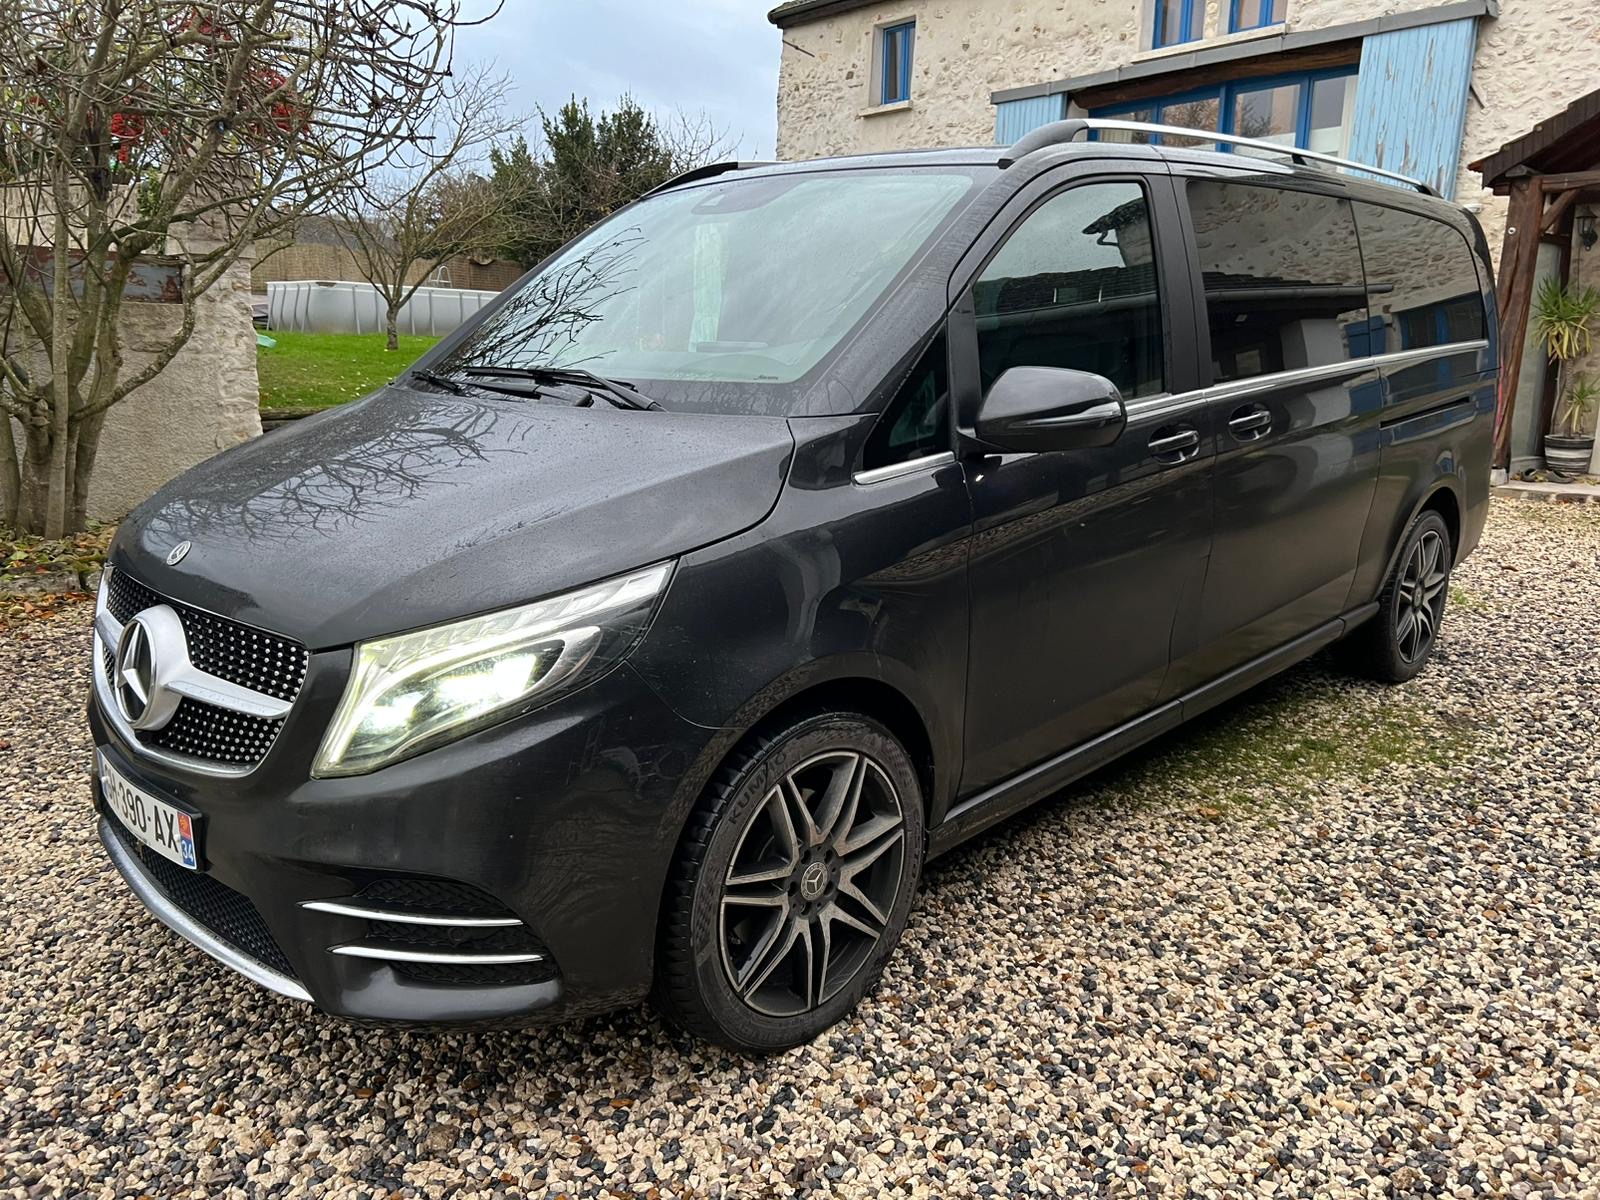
317,370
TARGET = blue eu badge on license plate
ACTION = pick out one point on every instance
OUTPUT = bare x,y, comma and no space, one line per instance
186,840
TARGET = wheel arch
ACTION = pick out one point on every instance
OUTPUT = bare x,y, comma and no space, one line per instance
1445,501
1444,496
845,684
864,683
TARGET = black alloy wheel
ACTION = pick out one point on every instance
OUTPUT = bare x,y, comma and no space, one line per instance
1398,642
1419,603
812,882
793,883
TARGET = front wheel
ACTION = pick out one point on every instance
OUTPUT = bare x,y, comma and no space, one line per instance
793,883
1398,642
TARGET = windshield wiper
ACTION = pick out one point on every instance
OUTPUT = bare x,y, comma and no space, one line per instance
618,392
444,381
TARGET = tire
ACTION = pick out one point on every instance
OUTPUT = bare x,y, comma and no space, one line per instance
755,894
1399,640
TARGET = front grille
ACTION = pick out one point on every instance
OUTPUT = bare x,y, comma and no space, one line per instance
218,734
252,658
213,904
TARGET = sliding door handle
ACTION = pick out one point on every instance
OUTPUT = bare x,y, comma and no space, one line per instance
1250,422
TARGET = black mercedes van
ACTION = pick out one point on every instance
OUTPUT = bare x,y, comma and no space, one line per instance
779,533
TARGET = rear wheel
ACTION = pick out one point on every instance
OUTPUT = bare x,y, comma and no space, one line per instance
793,884
1398,642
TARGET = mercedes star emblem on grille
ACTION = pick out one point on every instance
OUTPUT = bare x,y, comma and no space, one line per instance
152,651
175,555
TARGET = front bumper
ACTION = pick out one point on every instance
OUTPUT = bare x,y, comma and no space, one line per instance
563,821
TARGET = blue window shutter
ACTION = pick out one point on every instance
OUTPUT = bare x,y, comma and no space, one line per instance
1013,118
1411,101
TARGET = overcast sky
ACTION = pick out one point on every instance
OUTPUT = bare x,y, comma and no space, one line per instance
719,56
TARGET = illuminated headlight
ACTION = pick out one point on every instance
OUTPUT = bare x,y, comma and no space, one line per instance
412,692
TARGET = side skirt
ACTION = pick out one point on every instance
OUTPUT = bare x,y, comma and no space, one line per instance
970,817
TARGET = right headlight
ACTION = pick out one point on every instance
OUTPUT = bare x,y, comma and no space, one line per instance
417,690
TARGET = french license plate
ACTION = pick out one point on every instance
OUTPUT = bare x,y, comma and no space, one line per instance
166,830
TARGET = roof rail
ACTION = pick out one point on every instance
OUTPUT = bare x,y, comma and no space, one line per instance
1059,132
694,174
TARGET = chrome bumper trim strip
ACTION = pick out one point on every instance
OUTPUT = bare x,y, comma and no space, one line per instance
340,909
395,954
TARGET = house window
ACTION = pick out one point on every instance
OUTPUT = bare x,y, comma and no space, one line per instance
1254,14
1178,21
894,62
1311,111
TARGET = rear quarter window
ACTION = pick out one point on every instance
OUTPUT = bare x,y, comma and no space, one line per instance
1422,281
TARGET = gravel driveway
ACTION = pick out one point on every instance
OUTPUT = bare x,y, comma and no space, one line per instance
1334,940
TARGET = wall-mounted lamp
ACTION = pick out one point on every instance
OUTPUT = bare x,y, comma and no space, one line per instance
1586,233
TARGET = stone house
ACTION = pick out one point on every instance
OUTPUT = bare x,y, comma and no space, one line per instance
1414,86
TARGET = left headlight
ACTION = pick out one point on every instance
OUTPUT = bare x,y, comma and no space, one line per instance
409,693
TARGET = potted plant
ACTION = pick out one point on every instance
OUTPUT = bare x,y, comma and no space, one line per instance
1561,318
1571,449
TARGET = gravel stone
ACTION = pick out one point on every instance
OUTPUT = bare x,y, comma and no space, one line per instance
1331,940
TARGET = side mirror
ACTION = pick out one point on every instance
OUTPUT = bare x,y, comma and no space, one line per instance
1036,409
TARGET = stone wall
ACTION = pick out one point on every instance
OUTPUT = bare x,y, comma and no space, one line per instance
1530,63
204,401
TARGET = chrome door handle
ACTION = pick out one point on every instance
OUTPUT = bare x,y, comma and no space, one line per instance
1176,447
1250,422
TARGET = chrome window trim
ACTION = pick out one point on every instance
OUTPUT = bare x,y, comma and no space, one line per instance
175,919
910,467
340,909
1156,407
393,954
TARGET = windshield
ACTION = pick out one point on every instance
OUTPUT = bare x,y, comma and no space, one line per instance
746,281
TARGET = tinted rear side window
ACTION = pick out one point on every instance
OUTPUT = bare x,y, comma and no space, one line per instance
1283,282
1422,281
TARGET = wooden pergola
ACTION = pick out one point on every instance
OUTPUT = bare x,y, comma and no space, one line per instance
1545,172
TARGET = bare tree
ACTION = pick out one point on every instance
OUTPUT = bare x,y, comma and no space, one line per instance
430,203
133,129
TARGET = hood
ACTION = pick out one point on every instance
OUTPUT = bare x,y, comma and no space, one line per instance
411,508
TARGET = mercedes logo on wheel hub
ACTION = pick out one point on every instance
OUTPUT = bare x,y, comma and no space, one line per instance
813,881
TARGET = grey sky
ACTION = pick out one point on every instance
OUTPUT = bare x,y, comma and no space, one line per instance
720,56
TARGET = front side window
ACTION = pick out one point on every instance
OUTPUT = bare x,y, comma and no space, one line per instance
1253,14
740,282
1422,281
1283,279
1075,286
1178,21
894,62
